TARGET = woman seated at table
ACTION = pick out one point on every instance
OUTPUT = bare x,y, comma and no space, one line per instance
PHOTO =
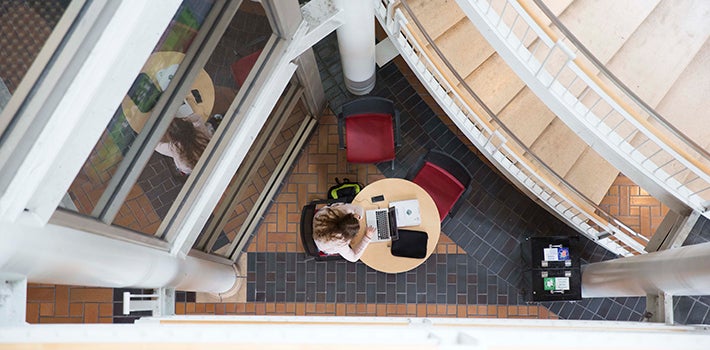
185,141
334,226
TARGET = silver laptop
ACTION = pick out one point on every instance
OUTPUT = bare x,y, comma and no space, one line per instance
385,223
407,212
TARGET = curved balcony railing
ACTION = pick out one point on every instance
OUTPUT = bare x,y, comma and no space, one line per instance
495,141
566,76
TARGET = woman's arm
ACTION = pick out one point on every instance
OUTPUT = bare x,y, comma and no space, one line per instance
353,254
165,149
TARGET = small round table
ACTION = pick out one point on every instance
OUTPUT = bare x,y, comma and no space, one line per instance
157,62
378,255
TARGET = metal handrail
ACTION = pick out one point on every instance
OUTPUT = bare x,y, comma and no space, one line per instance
671,181
509,133
613,222
618,83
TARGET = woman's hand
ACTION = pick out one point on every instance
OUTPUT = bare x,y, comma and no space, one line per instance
370,231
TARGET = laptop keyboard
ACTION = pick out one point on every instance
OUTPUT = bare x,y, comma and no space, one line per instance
382,229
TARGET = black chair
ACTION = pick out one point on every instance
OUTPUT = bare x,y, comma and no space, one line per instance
370,125
309,245
445,178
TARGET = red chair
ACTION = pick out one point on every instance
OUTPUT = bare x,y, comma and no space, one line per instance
242,67
445,178
371,130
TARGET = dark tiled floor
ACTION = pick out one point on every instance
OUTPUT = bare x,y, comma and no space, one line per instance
489,227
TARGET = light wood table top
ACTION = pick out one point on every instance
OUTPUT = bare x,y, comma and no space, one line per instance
161,60
377,255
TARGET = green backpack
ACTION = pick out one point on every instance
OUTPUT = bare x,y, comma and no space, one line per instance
346,190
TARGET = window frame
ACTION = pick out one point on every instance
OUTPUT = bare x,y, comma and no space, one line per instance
271,71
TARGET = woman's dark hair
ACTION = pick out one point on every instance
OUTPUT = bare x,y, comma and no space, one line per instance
188,140
334,224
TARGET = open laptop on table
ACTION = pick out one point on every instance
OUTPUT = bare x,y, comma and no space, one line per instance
385,223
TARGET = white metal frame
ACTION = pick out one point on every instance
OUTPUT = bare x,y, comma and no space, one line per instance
92,74
230,332
497,147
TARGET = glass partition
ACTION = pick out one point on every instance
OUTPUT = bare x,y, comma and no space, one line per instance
25,27
133,112
147,153
252,188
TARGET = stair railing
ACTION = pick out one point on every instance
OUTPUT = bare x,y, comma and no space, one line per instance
547,60
497,143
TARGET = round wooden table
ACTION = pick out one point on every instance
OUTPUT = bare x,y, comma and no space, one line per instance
157,62
378,255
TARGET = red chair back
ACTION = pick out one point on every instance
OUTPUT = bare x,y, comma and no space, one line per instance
370,138
242,67
443,187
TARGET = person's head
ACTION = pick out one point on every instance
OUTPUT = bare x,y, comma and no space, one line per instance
334,224
188,140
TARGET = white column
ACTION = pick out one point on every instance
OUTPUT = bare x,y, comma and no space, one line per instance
680,271
356,41
62,255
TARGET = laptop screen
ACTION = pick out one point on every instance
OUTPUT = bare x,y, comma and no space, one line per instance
394,233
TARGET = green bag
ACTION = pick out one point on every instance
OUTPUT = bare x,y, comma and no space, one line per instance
345,190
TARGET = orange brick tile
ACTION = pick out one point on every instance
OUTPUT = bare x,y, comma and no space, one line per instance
491,310
310,308
61,304
250,308
91,295
179,308
61,320
381,310
46,309
209,308
91,313
105,310
190,308
421,310
32,313
259,309
76,309
40,293
200,308
533,310
461,311
230,308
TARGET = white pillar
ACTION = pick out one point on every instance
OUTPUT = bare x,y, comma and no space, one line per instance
356,41
679,271
62,255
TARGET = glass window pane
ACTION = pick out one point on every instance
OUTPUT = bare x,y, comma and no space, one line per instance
212,93
25,26
135,109
241,198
